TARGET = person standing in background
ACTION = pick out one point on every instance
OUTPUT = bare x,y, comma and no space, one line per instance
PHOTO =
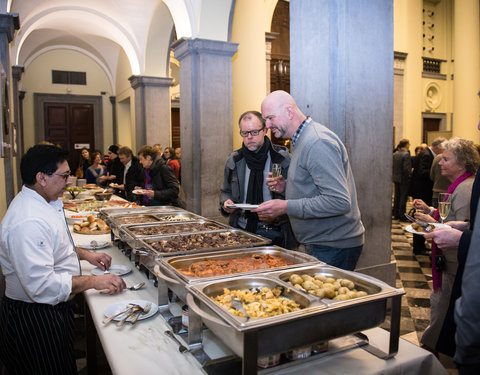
402,169
161,185
96,170
171,160
440,183
131,175
83,164
114,166
421,186
158,149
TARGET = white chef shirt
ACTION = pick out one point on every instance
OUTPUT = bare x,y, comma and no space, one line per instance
37,255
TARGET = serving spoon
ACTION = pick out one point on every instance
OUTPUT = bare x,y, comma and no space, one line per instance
238,305
182,348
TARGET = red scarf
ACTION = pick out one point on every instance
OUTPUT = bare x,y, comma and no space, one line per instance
437,275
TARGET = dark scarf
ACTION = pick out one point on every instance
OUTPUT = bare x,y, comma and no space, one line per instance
256,163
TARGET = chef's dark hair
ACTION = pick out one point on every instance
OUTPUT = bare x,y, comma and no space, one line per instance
41,158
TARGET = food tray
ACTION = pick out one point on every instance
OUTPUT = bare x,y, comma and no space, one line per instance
318,320
176,280
108,213
167,228
118,222
151,244
172,264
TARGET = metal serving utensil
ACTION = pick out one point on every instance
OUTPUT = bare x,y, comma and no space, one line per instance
137,314
423,224
182,348
135,309
110,318
238,305
136,286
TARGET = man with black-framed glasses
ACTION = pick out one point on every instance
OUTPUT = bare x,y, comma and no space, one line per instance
42,270
245,174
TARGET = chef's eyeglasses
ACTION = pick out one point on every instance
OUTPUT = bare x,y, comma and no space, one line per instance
65,175
253,133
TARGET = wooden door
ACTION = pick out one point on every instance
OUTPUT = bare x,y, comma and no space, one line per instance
430,125
175,128
70,125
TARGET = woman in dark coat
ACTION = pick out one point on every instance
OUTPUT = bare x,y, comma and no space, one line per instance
161,185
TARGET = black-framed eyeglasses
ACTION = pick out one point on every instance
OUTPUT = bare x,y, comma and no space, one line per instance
253,133
65,175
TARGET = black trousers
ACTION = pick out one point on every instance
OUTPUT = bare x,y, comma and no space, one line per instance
400,199
37,338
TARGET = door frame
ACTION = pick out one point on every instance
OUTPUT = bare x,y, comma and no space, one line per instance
41,99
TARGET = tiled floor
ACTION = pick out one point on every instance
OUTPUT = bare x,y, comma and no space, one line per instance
414,275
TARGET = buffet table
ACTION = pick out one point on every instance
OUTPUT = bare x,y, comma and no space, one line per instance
144,347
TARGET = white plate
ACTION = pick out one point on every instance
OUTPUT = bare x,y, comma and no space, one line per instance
243,206
100,245
410,229
116,269
139,191
114,185
122,305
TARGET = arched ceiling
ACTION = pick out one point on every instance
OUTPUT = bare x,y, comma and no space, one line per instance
102,28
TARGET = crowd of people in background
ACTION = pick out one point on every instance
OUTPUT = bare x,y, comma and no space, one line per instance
450,167
154,175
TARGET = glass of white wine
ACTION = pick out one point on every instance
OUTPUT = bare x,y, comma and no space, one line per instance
444,205
276,172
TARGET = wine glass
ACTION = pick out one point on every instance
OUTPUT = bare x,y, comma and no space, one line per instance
444,205
276,172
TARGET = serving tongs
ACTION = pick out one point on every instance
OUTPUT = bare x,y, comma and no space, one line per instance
423,224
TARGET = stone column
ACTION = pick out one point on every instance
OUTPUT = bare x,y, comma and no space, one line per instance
342,75
398,89
206,119
269,38
466,81
16,77
8,24
152,110
114,119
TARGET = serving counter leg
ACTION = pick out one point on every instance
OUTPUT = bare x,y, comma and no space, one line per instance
91,338
394,332
250,353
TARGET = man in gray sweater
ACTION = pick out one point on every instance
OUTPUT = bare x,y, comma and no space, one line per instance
321,199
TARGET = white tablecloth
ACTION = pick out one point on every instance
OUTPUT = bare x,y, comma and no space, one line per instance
144,348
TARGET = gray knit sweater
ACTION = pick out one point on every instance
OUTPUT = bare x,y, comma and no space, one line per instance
322,200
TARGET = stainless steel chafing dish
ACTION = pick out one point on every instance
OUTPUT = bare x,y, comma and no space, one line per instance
132,233
173,279
149,244
106,213
119,220
318,320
